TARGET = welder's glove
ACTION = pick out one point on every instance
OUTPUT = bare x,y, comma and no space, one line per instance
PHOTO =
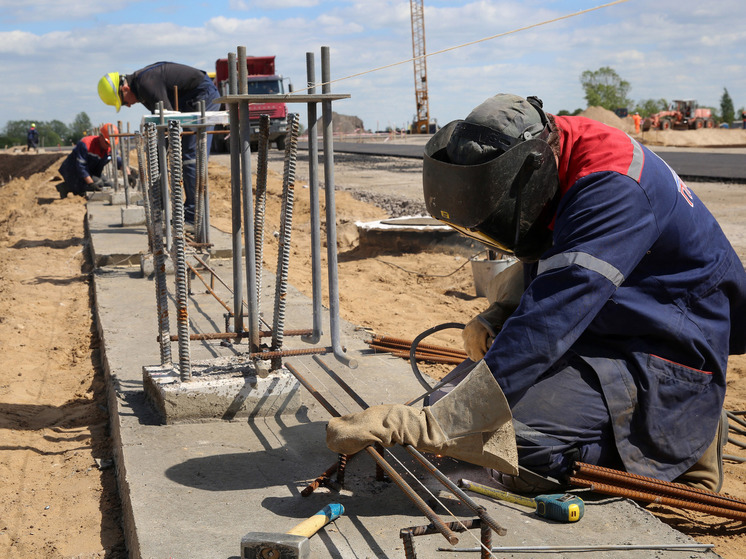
504,293
132,180
472,423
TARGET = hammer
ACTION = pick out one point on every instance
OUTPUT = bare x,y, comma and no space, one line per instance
291,545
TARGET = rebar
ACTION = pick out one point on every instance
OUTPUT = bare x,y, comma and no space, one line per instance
163,164
179,256
144,180
159,251
260,206
286,228
234,335
407,535
114,157
395,477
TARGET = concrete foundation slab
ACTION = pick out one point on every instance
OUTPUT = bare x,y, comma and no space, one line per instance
133,215
221,388
119,197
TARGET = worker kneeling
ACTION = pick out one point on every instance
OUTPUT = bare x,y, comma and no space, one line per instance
609,342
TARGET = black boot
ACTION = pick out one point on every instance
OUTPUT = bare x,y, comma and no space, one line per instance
62,189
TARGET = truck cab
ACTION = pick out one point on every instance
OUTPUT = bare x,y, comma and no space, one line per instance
261,80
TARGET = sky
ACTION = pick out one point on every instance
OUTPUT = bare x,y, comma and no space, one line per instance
53,52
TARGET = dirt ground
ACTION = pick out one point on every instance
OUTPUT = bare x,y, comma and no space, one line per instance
59,497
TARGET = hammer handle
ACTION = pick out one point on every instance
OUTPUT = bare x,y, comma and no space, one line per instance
311,525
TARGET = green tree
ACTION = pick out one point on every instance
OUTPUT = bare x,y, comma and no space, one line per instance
80,127
647,107
604,88
727,113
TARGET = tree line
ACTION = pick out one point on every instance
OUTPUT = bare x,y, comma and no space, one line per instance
51,133
605,88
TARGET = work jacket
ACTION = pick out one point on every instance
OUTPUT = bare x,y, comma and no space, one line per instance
641,283
87,159
156,83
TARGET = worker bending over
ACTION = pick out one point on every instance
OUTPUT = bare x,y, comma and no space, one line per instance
610,342
82,169
165,81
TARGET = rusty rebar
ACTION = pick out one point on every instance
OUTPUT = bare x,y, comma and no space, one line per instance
608,489
652,485
233,335
405,350
408,343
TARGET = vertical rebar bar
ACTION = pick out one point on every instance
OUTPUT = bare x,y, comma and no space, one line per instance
313,185
248,206
331,223
179,252
260,207
125,169
163,164
159,250
286,227
144,180
235,149
113,142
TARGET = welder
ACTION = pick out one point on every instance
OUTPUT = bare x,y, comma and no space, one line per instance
610,340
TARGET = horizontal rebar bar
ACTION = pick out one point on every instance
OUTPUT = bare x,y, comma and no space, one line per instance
243,334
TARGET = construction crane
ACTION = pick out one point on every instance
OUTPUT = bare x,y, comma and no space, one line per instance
421,123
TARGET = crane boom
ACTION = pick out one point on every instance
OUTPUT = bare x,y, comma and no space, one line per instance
422,120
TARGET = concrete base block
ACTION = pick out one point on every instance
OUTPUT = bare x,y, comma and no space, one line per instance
147,265
117,198
221,388
133,215
100,196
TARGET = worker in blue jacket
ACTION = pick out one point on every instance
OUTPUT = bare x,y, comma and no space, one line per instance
630,299
83,168
181,88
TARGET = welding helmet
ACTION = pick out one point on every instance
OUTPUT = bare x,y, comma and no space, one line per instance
108,90
104,131
493,176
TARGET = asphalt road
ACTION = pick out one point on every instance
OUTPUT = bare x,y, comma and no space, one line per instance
689,164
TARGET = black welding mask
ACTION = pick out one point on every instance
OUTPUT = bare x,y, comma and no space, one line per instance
493,176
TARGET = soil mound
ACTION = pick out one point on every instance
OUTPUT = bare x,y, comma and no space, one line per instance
343,124
25,165
608,117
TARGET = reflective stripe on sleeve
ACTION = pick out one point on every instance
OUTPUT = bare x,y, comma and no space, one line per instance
638,160
584,260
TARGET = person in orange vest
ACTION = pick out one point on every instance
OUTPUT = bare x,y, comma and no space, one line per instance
637,118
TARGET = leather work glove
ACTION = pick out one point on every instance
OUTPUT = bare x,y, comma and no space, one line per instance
460,425
132,180
504,292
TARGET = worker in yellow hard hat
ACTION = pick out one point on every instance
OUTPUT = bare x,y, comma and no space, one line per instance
180,88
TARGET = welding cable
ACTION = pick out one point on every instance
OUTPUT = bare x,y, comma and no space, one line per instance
413,351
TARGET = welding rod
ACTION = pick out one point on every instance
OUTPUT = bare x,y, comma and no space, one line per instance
446,532
450,485
579,548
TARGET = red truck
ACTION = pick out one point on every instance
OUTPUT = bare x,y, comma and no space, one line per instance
262,79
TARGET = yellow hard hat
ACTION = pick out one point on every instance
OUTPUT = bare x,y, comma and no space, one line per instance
108,90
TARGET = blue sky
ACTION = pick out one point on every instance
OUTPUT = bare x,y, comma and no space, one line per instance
52,52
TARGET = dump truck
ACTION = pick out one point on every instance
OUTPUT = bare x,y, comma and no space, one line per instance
262,79
682,114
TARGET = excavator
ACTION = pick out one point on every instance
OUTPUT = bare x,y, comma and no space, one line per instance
682,114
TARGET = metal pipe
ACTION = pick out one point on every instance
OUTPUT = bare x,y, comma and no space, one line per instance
248,203
235,147
113,143
201,175
446,532
144,184
313,185
331,219
180,264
